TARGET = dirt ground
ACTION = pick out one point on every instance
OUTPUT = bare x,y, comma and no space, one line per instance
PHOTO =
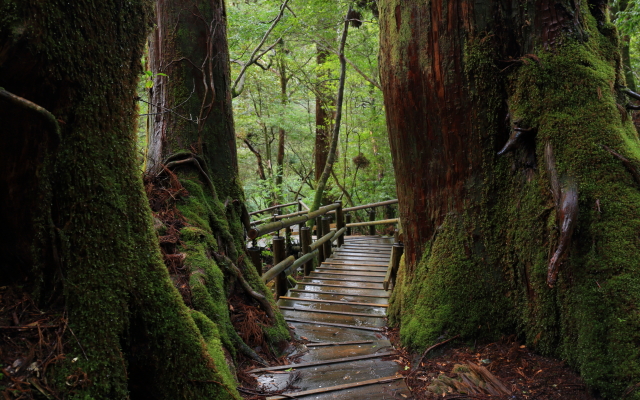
524,374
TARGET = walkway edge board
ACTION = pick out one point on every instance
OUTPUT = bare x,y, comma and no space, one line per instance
338,387
323,362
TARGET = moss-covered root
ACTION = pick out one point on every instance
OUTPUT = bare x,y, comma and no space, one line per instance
212,281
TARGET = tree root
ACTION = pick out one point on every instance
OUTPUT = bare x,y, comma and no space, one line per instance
566,198
630,167
24,103
259,297
194,160
517,134
248,351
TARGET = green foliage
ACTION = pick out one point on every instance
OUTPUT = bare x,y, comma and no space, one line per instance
260,112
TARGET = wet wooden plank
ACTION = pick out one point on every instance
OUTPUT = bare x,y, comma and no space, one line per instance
349,274
348,303
339,293
351,314
338,387
360,327
339,343
325,362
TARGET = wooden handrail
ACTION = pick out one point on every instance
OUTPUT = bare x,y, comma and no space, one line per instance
394,263
274,208
322,240
276,226
276,269
381,222
313,250
338,234
372,205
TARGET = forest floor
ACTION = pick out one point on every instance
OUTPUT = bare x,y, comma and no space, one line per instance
525,374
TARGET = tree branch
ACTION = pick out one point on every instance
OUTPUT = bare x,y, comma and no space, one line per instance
24,103
365,76
331,158
344,190
253,57
258,157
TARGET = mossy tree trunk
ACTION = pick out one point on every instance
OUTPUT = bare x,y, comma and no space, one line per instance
193,137
284,99
543,239
325,102
77,222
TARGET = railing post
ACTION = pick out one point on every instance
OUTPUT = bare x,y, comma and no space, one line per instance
305,239
372,217
287,236
394,262
319,234
340,223
274,218
326,228
301,225
254,254
347,218
278,255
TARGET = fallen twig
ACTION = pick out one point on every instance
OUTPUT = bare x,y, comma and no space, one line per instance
413,371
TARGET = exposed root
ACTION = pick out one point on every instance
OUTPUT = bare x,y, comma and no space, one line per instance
24,103
194,160
566,197
550,162
630,167
259,297
514,140
248,351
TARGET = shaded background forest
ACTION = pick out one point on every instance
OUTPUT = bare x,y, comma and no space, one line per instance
284,103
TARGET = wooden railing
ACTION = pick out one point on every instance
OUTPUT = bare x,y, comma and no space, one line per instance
286,264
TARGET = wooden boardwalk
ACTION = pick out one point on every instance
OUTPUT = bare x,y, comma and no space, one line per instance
340,309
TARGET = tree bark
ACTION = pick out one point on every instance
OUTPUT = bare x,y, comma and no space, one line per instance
487,235
196,62
284,79
258,159
189,46
331,155
324,118
82,239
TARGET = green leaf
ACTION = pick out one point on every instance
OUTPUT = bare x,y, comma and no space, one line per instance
148,73
149,84
161,74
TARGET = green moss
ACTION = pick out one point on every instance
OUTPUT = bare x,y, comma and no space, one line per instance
484,273
457,294
211,335
210,281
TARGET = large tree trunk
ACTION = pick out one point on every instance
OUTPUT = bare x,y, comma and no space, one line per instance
325,101
78,221
284,80
189,47
193,102
486,234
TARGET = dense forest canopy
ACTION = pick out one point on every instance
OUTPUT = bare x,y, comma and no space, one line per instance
363,172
